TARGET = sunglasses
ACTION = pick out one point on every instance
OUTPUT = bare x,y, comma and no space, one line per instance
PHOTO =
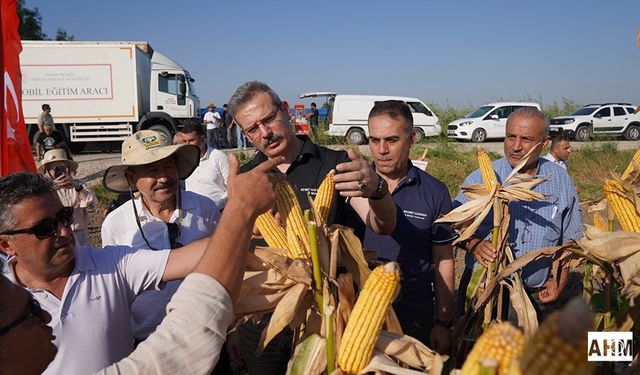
34,310
47,227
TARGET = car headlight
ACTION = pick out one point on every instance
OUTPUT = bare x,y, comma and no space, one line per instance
465,123
568,121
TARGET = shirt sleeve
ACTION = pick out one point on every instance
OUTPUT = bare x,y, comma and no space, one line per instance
190,337
572,221
142,269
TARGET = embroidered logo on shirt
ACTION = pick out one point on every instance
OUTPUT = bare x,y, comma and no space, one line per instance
415,215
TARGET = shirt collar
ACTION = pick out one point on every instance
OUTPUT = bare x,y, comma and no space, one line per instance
186,204
309,149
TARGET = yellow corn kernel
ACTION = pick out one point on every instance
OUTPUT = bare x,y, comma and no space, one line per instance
622,206
295,226
365,322
501,342
600,222
631,173
558,346
488,174
271,231
324,197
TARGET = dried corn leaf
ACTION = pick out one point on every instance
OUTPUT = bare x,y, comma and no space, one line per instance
295,269
346,301
521,303
621,248
309,357
264,282
383,364
392,323
254,303
283,314
351,255
406,349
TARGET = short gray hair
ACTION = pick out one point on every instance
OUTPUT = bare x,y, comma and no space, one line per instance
396,109
246,92
528,112
15,188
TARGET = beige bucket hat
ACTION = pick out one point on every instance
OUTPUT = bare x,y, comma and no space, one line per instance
146,147
57,154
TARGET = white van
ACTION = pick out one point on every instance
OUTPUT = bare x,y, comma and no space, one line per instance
348,114
487,122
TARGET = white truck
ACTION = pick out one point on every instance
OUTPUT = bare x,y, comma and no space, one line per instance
348,115
104,91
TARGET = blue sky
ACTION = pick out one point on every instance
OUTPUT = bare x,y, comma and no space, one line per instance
462,53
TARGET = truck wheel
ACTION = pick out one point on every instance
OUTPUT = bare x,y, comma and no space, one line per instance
479,136
632,133
419,134
583,133
356,136
162,129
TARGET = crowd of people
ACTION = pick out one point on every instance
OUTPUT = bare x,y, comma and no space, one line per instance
158,296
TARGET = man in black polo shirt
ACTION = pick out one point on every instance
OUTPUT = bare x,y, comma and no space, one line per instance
423,249
259,112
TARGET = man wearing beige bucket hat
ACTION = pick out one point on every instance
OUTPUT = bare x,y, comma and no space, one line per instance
72,192
160,216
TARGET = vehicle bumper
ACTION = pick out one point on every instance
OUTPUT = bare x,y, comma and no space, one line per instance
458,132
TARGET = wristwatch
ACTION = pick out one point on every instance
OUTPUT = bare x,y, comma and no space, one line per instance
383,189
444,323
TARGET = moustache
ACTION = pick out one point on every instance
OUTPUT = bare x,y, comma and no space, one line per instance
160,186
272,138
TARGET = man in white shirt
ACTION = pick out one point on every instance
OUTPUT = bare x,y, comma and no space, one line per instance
188,340
213,120
210,177
560,150
160,216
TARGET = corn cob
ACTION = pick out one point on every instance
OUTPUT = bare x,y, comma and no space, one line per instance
271,231
622,206
502,342
365,322
600,222
488,174
631,173
295,226
558,346
324,197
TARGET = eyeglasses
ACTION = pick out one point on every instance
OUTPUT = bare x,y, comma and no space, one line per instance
34,310
48,227
267,121
174,234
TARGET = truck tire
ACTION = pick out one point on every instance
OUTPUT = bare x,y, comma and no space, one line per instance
162,129
356,136
419,134
632,133
478,136
583,133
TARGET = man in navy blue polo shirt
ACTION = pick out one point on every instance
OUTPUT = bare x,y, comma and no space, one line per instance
423,249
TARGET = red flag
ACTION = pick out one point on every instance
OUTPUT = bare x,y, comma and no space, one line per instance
15,151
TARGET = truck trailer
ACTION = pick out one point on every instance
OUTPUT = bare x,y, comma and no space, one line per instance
104,91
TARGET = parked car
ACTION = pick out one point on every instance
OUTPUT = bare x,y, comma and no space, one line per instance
487,122
348,115
618,119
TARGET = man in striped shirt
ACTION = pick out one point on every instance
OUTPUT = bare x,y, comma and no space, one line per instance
536,224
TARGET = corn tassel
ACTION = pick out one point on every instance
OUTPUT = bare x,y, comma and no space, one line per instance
600,222
488,174
295,227
622,206
631,173
558,346
365,322
271,231
501,342
324,197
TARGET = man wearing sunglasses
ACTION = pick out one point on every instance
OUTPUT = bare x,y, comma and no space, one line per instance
190,337
160,216
363,195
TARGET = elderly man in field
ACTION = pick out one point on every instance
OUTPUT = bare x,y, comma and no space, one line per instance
161,216
422,248
264,119
536,224
90,291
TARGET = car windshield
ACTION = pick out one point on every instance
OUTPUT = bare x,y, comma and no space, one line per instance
480,111
584,111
